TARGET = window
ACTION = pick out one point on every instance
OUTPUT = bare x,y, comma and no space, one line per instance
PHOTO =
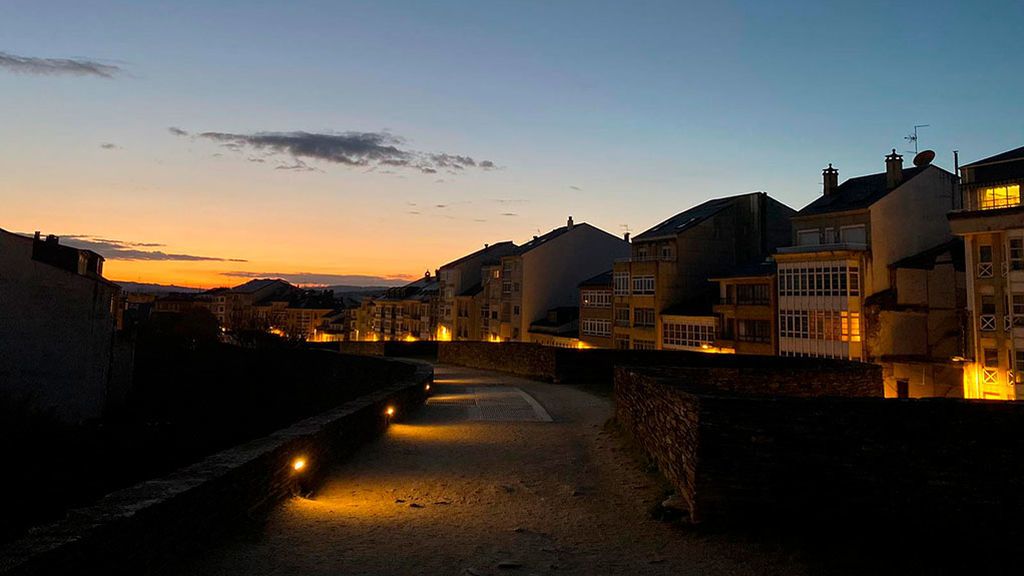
1017,307
984,261
1018,367
991,358
753,330
643,317
622,283
988,304
1016,253
622,342
643,345
507,266
1000,197
751,294
643,284
622,316
642,252
596,298
515,310
903,388
808,237
854,281
688,335
596,327
506,287
667,253
853,234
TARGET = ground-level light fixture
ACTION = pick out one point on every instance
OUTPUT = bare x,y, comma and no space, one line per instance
299,464
427,387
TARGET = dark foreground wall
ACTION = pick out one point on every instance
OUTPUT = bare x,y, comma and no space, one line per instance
597,366
928,464
134,529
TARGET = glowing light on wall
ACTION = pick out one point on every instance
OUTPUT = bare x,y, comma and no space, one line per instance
493,338
444,334
299,464
410,338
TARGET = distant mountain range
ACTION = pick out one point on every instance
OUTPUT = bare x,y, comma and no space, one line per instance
339,290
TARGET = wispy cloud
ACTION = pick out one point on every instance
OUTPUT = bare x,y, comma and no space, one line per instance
576,188
316,279
128,250
509,214
57,66
109,146
370,150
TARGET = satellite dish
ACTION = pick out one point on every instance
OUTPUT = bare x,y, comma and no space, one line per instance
924,158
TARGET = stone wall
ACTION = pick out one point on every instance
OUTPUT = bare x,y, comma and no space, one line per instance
519,358
133,530
826,461
597,366
392,349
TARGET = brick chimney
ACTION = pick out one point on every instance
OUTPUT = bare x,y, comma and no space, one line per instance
569,224
625,236
830,176
893,170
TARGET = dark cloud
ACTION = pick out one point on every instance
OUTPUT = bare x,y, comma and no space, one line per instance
177,131
413,212
297,166
57,66
109,146
314,279
355,149
126,250
509,214
440,205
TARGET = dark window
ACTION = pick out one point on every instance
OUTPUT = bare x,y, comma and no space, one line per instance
903,389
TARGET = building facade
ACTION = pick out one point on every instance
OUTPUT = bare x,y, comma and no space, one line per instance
991,222
544,274
843,245
747,310
595,315
58,348
459,276
670,265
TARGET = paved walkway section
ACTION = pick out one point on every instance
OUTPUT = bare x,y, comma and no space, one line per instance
494,475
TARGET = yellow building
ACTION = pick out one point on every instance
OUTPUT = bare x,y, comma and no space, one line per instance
747,309
596,311
844,244
992,225
670,264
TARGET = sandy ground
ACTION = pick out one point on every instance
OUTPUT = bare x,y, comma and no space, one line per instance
440,494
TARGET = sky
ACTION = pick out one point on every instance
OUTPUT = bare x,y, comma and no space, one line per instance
202,144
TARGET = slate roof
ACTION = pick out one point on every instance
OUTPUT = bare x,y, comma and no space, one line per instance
1015,154
602,279
480,252
856,193
927,259
689,218
256,285
754,270
540,240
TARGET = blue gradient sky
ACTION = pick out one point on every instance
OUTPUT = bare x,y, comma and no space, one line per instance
647,107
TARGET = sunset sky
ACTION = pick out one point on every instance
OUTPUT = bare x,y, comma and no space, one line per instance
202,143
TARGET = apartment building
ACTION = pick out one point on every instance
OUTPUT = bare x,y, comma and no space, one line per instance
661,295
917,329
408,312
295,314
341,324
595,313
544,274
844,243
560,328
991,223
459,276
747,309
235,307
58,347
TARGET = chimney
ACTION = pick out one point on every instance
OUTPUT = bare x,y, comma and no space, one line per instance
569,224
625,236
830,176
893,170
37,234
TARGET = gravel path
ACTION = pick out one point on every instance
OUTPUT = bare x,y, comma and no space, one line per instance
454,490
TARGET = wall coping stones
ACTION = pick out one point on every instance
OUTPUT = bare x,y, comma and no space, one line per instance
139,523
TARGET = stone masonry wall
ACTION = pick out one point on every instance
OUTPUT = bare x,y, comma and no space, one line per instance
827,461
131,530
519,358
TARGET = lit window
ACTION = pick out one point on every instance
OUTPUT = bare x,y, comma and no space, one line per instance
1000,197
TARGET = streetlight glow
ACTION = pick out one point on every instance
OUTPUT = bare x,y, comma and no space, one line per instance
299,464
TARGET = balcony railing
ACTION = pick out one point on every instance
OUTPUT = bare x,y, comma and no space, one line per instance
984,270
987,322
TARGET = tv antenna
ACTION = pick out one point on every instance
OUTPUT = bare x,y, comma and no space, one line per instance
912,138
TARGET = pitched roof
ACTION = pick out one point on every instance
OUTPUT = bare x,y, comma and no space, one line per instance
689,218
257,285
927,259
538,241
602,279
1015,154
857,193
485,250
